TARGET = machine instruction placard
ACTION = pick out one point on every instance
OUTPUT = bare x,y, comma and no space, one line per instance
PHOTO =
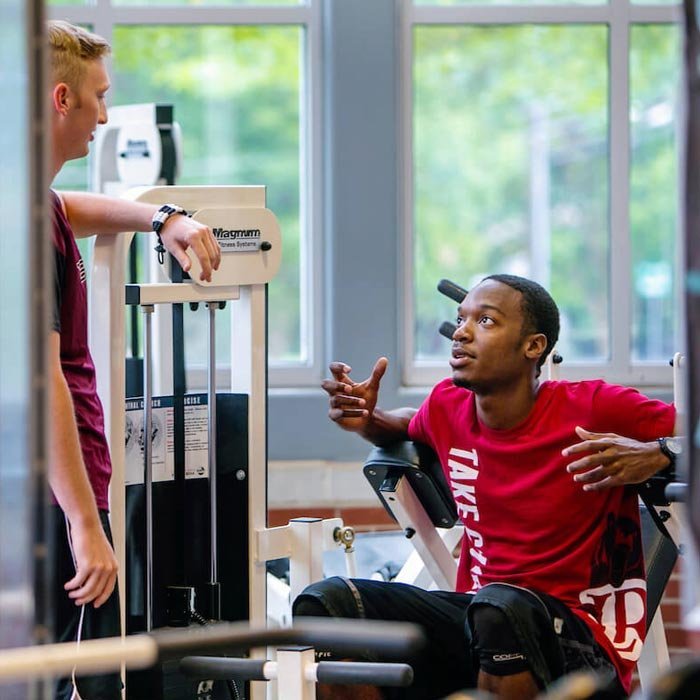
162,439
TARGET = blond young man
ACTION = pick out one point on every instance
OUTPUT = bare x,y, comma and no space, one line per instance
86,602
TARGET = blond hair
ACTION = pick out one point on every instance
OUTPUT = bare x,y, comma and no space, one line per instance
70,47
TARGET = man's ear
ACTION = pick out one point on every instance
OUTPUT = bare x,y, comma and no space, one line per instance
535,345
61,98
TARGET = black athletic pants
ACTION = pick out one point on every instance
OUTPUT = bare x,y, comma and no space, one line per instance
552,640
97,623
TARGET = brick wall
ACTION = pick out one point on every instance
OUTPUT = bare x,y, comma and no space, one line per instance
676,636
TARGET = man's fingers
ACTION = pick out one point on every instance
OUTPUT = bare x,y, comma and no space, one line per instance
378,372
214,249
597,445
589,462
89,590
590,435
107,590
607,483
338,368
337,414
341,372
200,250
76,582
330,386
595,474
181,256
343,401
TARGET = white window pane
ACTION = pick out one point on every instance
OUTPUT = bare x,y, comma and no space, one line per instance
445,3
654,197
199,3
236,94
510,150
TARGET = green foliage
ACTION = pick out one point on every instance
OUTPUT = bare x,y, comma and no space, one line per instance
236,92
490,102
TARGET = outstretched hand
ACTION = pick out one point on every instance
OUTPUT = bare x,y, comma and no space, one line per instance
96,566
352,403
613,460
180,233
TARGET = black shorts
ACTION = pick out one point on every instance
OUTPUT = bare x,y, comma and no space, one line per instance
97,623
554,640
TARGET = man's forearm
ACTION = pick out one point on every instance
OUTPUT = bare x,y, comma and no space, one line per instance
91,214
386,427
67,474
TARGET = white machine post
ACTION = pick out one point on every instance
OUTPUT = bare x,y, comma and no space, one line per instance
425,537
296,673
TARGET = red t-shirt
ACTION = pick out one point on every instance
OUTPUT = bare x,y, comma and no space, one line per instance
528,523
71,321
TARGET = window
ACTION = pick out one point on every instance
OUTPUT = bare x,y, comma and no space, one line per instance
241,80
541,141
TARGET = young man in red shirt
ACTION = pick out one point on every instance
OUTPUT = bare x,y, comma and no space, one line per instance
551,575
85,602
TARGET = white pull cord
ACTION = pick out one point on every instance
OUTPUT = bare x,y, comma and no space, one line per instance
75,695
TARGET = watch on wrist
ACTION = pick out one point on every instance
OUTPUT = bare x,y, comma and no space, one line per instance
671,447
159,219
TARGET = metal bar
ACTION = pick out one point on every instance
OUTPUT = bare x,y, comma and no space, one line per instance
142,650
180,293
211,399
91,656
148,457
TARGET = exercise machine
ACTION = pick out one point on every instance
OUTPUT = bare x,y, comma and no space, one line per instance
199,532
189,505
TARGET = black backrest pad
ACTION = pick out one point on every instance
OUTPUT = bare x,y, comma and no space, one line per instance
420,465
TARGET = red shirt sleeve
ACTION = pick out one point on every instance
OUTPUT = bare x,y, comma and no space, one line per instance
625,411
419,427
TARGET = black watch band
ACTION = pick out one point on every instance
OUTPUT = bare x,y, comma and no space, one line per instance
671,448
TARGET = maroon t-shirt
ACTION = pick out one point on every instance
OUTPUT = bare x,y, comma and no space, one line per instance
71,321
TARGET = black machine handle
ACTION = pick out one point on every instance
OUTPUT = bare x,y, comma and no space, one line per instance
364,673
447,329
452,290
676,492
219,668
340,672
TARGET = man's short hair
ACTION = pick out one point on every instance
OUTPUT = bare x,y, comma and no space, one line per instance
539,309
70,48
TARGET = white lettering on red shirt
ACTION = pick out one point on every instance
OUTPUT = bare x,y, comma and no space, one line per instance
463,471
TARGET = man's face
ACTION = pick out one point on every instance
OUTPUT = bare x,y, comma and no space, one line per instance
86,109
489,348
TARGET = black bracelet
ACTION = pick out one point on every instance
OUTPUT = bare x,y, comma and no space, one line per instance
159,219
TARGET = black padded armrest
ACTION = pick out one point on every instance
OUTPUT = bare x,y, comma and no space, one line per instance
420,465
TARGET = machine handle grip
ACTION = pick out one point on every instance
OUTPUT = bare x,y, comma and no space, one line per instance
676,492
361,673
452,290
447,329
222,669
